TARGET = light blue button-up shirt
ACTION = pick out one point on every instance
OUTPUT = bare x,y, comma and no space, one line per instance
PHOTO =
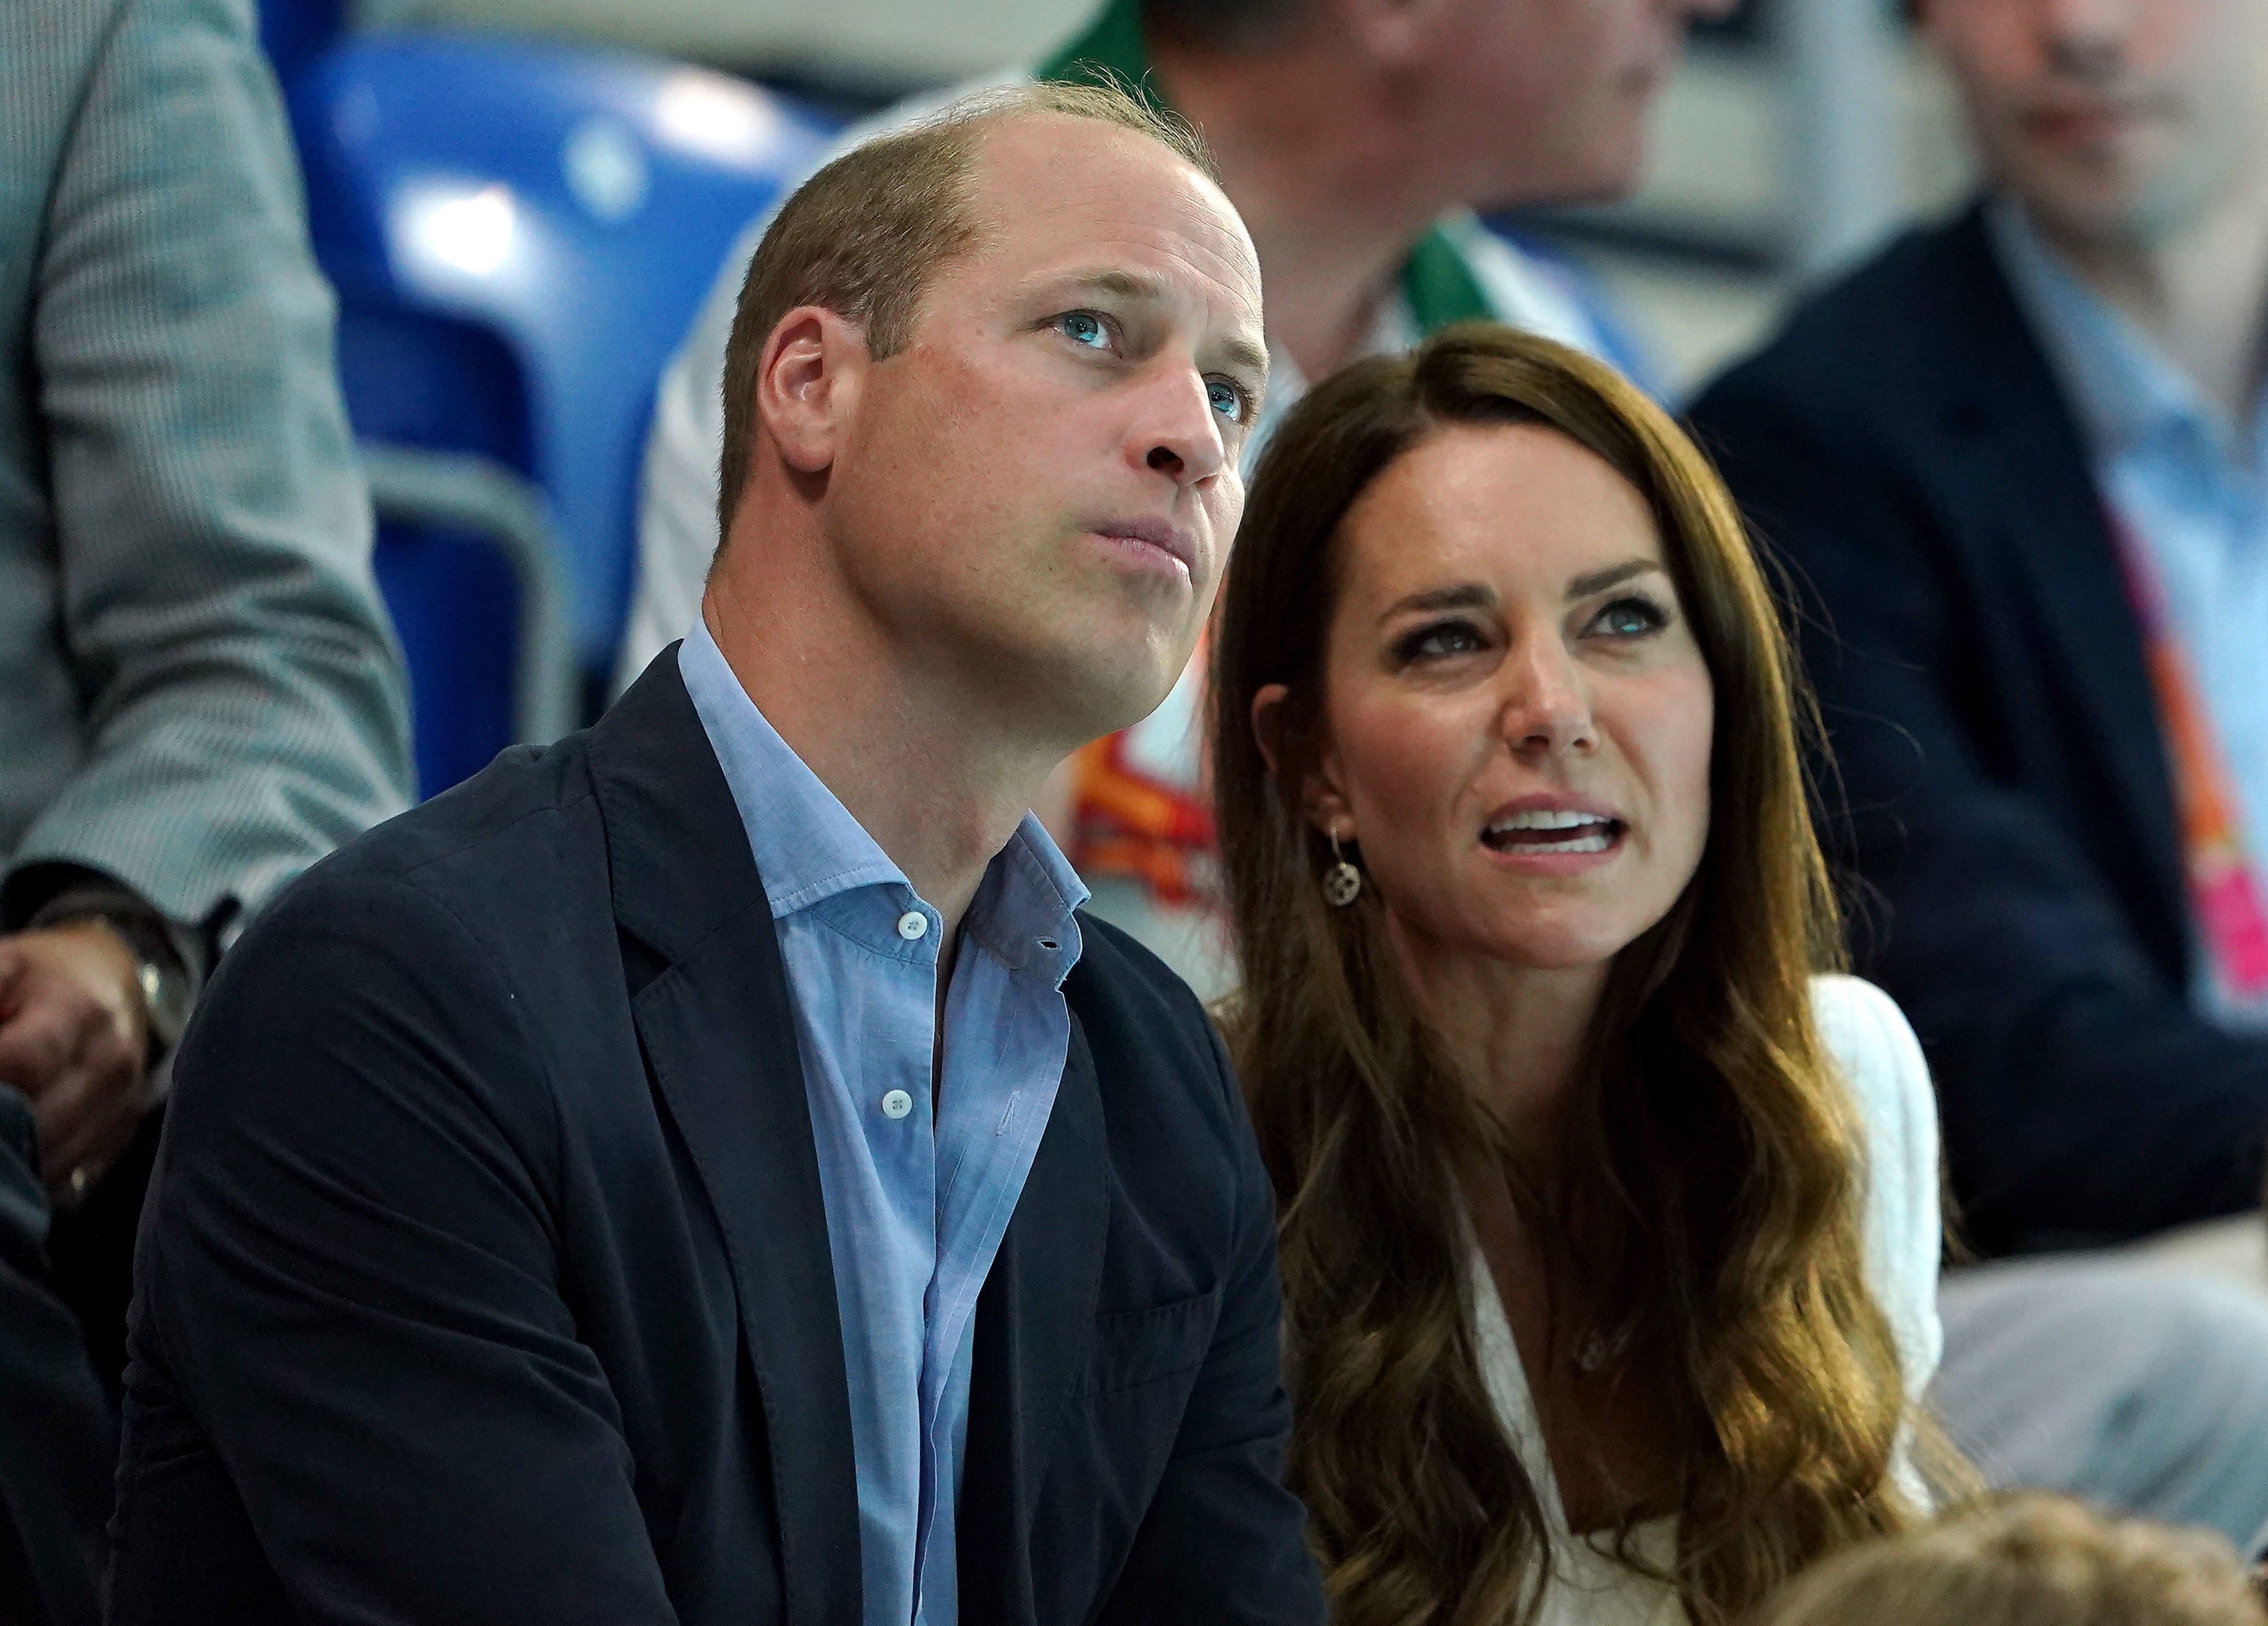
918,1188
2189,485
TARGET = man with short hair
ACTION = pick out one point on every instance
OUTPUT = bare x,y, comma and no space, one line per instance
707,1171
2019,462
1355,138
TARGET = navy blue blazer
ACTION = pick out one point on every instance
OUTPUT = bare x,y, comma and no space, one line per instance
2003,797
485,1277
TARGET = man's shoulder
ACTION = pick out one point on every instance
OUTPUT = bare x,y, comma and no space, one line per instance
46,54
1141,1019
437,957
1866,344
518,835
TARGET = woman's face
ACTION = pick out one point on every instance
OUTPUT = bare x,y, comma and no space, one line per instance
1518,718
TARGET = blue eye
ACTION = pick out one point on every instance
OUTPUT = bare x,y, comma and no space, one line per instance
1629,618
1084,327
1226,398
1437,641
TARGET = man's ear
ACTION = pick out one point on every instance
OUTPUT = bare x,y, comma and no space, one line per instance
808,383
1320,801
1392,34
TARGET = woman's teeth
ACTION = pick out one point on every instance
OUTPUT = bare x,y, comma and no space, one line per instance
1548,830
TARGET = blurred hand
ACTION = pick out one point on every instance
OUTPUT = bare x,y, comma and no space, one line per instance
74,1037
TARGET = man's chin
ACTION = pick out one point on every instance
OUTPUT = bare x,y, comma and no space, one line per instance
1606,173
2132,189
1092,698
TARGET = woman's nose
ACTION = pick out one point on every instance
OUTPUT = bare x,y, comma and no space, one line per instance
1547,706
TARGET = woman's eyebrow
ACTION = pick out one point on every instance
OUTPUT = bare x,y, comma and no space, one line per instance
1463,596
1613,576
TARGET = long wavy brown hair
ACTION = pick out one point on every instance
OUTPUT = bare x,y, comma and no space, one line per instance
1705,1207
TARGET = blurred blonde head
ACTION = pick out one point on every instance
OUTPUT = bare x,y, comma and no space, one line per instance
2028,1561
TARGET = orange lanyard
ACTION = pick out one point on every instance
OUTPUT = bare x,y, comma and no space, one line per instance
2224,889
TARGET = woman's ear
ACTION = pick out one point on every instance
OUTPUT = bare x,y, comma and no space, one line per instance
1320,801
1325,806
1268,723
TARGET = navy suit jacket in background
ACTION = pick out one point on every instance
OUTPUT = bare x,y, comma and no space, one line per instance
485,1277
1906,448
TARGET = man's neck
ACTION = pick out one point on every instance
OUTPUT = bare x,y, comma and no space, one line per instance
1334,206
907,755
2199,291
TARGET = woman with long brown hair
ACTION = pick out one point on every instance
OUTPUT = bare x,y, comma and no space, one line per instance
1608,1213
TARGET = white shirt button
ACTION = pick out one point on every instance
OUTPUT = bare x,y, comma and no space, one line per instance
913,926
897,1103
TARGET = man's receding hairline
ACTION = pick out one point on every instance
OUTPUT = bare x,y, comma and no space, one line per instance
982,127
1120,280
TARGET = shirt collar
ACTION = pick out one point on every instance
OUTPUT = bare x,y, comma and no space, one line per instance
807,847
2127,392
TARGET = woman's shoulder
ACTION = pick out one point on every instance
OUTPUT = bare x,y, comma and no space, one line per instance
1881,1062
1873,1044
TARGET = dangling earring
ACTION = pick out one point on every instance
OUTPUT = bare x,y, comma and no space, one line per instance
1342,882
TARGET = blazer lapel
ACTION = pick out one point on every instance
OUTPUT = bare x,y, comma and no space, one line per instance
2029,465
720,1035
1033,1323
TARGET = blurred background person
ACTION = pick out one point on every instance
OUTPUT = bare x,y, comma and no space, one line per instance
1356,137
199,694
1610,1224
2016,464
2029,1560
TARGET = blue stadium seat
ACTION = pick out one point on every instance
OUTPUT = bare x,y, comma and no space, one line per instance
294,32
520,233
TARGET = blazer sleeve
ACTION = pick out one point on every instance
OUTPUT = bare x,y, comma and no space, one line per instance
350,1268
243,701
1224,1544
2083,1101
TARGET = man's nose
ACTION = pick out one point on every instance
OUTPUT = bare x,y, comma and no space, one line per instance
2087,39
1546,704
1178,431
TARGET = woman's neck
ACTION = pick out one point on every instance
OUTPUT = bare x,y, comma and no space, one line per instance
1515,1034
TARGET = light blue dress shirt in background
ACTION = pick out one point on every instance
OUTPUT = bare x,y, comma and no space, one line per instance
916,1199
2189,485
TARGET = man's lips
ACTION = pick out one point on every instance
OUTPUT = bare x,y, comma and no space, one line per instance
1162,534
2069,124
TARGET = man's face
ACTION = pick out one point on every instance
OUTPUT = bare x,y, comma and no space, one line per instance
2110,118
1546,100
1037,495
